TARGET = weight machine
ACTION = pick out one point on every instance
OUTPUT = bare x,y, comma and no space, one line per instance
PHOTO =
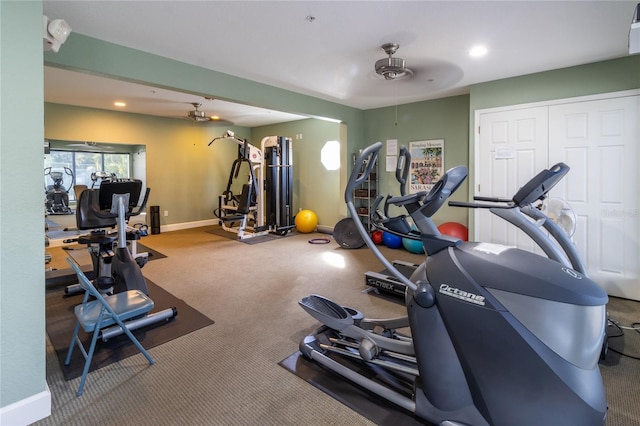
265,204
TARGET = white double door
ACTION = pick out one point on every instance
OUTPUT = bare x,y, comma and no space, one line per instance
598,139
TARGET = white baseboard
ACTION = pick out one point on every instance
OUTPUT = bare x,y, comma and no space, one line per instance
188,225
28,410
163,228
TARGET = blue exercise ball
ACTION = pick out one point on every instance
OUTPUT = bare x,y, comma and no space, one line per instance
413,246
391,240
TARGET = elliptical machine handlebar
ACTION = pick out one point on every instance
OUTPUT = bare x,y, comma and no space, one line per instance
537,188
421,206
402,168
367,159
521,204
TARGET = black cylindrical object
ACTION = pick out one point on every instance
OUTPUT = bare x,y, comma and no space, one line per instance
155,219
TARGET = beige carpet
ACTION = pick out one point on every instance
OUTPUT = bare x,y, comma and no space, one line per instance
228,374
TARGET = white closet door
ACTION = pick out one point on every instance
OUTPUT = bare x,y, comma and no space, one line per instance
599,141
513,148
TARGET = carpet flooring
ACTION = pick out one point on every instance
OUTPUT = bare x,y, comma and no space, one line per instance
232,373
60,321
369,405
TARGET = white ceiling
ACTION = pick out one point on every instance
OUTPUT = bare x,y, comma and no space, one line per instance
331,55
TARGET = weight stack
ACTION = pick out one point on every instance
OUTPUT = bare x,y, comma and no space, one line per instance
155,219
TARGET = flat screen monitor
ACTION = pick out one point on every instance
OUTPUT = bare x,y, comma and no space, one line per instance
108,189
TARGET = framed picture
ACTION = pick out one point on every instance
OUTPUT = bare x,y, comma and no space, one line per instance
427,164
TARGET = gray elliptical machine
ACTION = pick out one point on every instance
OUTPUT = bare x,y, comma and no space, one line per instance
499,336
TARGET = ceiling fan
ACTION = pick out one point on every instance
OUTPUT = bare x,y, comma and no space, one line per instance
392,68
196,114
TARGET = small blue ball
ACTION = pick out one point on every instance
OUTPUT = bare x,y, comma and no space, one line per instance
391,240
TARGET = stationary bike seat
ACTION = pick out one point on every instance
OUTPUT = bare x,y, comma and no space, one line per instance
95,239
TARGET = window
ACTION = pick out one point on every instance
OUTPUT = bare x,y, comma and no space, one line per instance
80,165
330,155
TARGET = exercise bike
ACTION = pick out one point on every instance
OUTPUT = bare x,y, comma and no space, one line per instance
114,268
499,336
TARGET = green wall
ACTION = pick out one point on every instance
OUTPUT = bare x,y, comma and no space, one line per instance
22,308
184,174
446,118
600,77
314,187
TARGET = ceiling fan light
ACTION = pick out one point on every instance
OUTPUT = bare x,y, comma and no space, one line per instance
392,68
197,115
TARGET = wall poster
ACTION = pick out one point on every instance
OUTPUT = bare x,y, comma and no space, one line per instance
427,164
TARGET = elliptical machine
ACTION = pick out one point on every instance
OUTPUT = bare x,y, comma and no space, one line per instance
499,335
57,194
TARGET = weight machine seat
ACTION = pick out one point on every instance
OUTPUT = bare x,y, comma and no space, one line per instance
246,199
96,238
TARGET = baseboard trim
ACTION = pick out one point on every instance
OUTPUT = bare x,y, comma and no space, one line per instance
27,411
188,225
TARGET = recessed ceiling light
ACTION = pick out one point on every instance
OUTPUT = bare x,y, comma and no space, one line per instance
478,51
120,104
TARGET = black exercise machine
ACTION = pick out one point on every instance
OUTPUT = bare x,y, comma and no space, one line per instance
114,268
57,193
499,336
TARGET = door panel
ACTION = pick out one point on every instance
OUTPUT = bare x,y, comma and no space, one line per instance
599,141
513,147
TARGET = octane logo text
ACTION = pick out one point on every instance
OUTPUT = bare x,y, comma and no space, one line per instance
446,289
